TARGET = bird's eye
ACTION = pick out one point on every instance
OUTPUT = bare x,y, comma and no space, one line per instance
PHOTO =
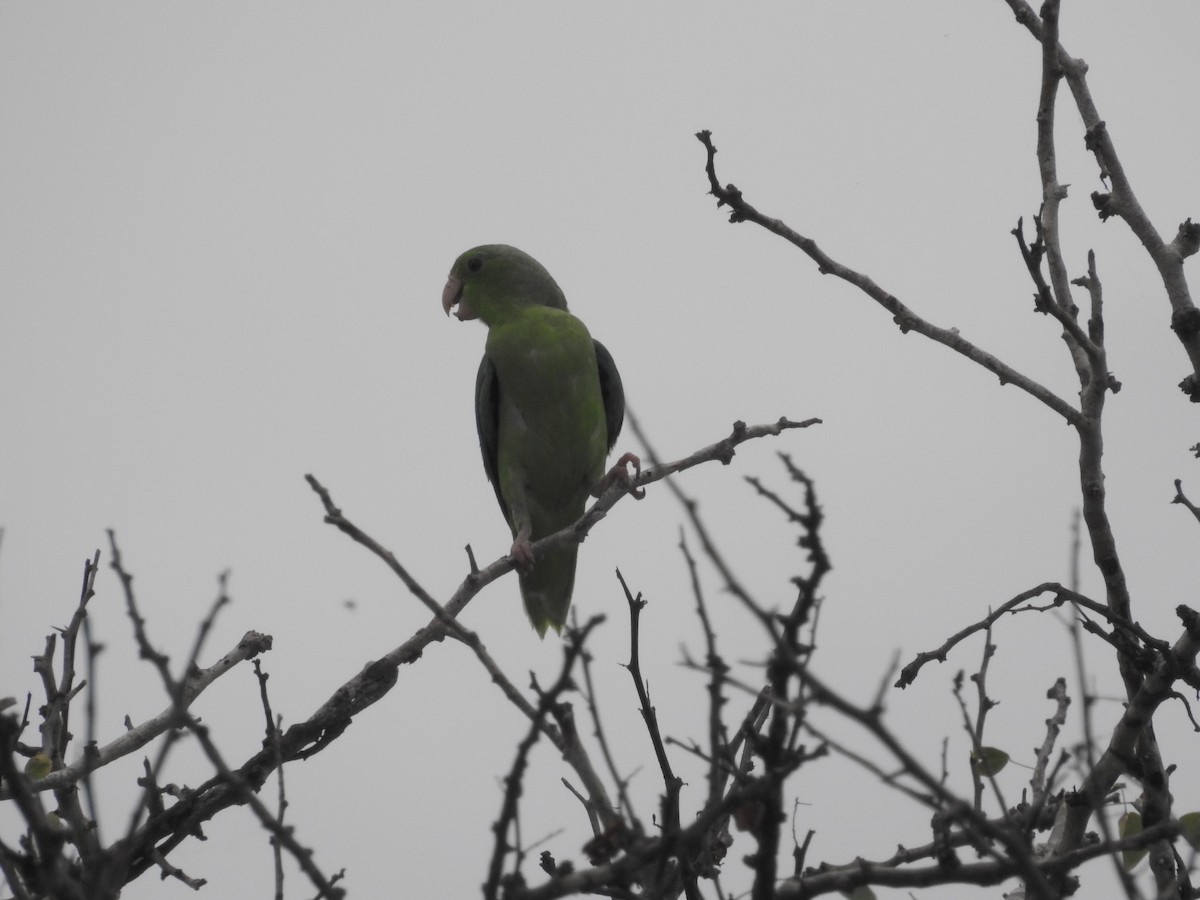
474,264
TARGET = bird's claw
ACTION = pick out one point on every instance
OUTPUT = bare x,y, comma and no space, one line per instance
618,474
522,552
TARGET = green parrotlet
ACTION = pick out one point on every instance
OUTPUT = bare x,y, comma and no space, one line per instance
548,407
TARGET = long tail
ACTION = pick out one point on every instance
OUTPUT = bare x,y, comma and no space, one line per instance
547,589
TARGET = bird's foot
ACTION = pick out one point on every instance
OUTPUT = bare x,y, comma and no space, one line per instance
522,551
618,474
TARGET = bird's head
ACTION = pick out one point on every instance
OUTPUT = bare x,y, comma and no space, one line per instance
494,281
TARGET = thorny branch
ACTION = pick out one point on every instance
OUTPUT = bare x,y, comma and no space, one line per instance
547,701
1142,660
1121,201
745,772
148,842
904,317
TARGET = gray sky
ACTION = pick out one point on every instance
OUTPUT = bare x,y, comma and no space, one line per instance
223,236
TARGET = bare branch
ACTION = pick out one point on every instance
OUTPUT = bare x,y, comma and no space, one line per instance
513,781
902,315
250,646
1122,201
1180,497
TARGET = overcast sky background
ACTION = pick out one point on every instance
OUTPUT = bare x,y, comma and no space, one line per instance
224,230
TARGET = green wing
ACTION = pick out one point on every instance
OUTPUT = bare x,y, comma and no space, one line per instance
487,424
613,392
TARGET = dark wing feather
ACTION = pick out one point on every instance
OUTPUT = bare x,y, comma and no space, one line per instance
611,390
487,423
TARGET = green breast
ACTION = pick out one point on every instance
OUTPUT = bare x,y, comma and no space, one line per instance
551,428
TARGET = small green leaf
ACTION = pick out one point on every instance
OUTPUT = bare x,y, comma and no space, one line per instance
988,761
1130,825
38,766
862,892
1190,823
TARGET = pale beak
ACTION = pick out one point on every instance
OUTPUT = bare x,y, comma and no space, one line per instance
452,295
